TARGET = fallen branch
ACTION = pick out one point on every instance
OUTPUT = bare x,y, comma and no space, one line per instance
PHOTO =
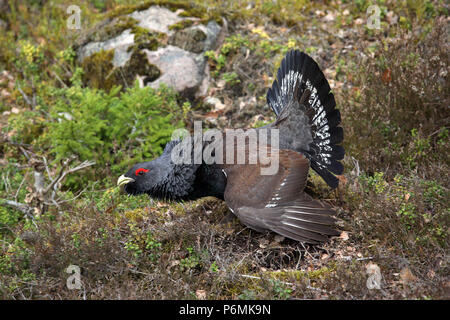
43,195
26,210
63,173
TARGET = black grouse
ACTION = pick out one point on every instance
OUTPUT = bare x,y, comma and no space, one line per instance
309,136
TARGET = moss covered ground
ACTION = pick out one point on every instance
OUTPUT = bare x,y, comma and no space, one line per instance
391,85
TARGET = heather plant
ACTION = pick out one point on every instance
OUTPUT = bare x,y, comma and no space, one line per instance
403,110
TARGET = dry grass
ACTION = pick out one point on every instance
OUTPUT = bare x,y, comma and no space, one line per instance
393,203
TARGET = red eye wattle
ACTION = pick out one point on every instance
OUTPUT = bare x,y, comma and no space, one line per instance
141,171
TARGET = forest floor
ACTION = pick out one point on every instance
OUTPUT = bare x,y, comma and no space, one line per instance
391,84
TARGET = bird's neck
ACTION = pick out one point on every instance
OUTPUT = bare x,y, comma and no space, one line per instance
191,183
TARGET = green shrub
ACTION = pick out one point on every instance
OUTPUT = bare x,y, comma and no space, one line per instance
11,183
192,261
114,129
280,290
111,128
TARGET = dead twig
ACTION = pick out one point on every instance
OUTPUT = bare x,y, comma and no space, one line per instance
63,173
43,195
24,95
26,210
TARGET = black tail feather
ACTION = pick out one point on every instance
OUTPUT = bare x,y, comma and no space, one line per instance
334,118
336,135
299,72
326,175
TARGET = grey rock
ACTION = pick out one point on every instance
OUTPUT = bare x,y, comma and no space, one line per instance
215,103
190,39
120,44
180,69
182,62
212,34
157,18
197,38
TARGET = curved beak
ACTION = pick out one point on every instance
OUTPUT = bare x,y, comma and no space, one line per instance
124,180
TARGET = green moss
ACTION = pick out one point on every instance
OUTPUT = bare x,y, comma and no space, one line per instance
189,39
104,30
189,10
145,39
322,272
113,28
138,64
183,24
317,187
297,275
274,281
172,5
97,70
118,26
242,288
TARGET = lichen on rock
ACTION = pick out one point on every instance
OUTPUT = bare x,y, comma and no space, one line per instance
140,43
190,39
99,71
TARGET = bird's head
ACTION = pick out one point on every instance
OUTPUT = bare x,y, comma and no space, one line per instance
145,177
160,178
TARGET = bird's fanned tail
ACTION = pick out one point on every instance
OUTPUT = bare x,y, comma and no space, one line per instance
300,79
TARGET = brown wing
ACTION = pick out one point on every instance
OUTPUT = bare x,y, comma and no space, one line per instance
277,202
246,186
